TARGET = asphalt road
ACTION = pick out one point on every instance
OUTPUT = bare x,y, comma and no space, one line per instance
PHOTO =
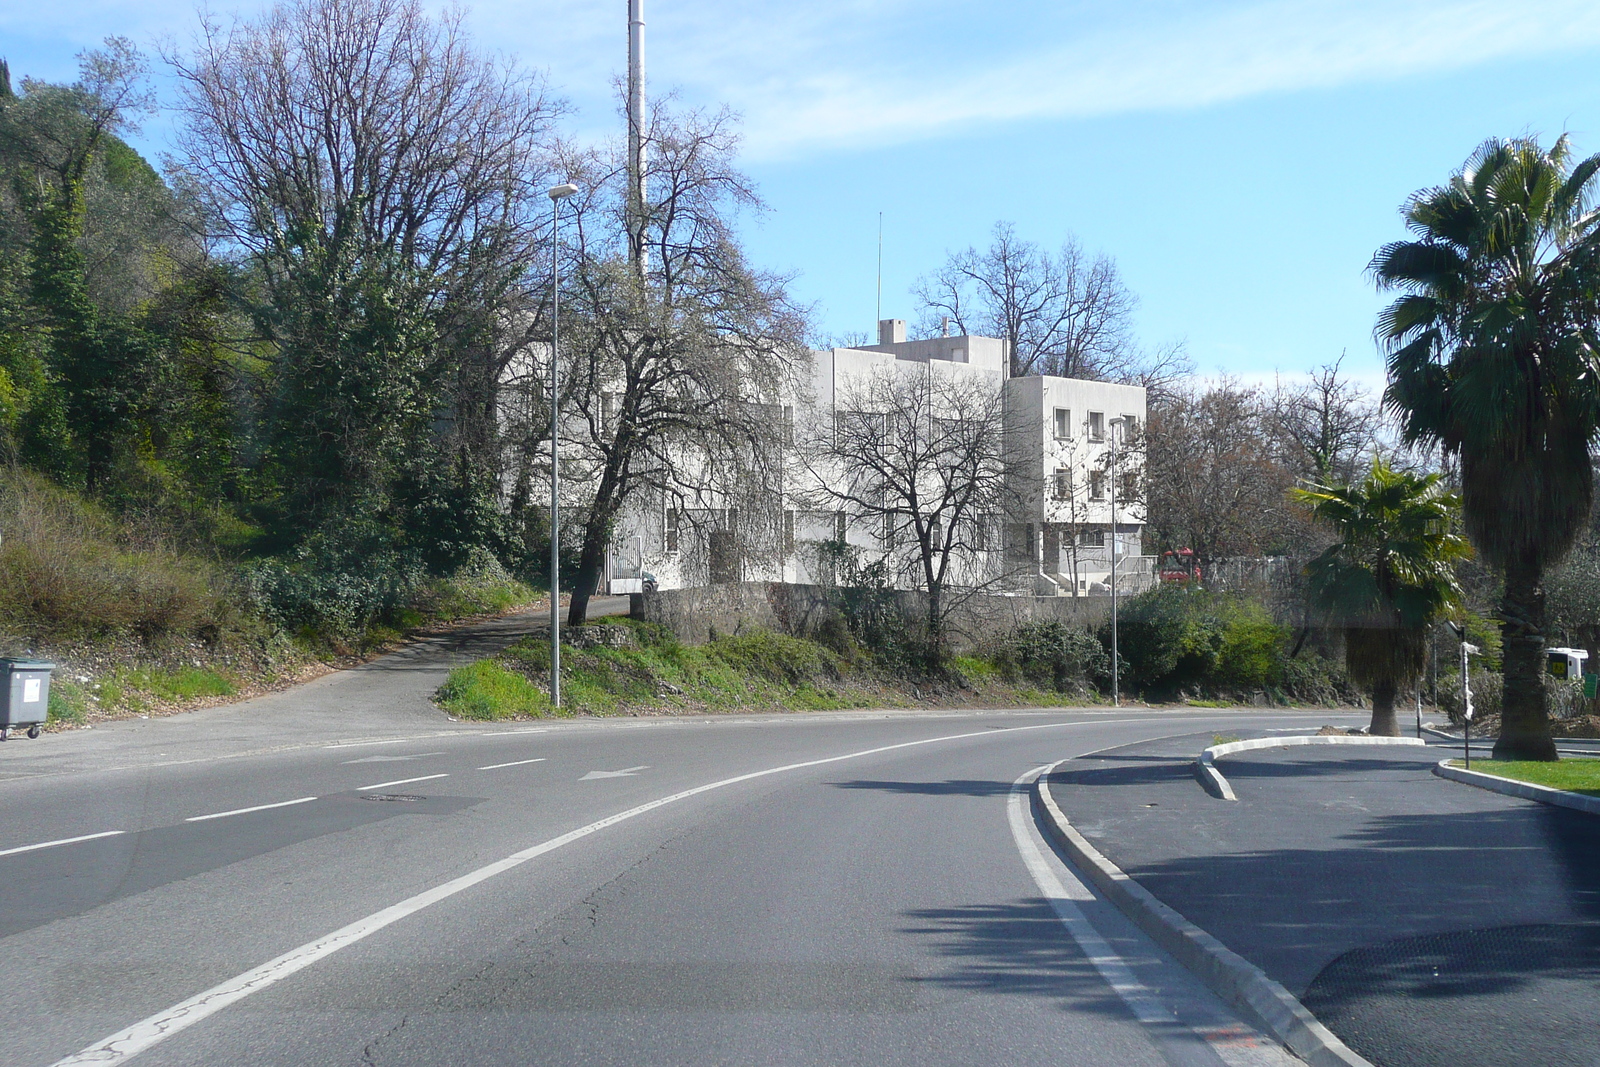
806,889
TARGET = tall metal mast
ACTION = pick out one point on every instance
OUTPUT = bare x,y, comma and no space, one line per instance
638,125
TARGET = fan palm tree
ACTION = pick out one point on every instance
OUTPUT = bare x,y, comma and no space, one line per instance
1492,356
1390,574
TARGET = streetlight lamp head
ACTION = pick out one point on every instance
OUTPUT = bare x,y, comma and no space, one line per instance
561,192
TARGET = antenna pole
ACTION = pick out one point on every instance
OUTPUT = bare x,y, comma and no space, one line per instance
636,136
880,267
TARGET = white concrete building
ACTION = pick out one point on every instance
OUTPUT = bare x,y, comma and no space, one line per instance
1057,537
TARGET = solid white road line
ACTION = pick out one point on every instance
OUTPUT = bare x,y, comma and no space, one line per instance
518,763
402,781
246,811
141,1035
1146,1007
63,841
385,741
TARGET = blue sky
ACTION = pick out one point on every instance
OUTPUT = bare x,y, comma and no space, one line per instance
1240,160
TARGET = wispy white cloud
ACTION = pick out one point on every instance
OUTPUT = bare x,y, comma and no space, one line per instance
851,72
841,73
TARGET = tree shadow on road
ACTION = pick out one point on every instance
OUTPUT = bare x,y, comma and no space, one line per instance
1016,948
965,787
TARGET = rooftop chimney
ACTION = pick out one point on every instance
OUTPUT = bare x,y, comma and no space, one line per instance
891,331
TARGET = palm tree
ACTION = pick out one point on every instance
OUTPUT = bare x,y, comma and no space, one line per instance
1390,574
1492,356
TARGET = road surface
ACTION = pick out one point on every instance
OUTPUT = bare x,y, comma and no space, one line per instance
395,888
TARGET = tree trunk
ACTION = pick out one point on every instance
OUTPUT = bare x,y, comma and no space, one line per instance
935,649
1524,715
1384,723
591,560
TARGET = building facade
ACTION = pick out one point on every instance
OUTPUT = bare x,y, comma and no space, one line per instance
1074,467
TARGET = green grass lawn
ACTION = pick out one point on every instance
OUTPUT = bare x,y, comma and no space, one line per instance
1573,775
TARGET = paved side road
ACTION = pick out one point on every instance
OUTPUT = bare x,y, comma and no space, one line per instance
391,695
1425,922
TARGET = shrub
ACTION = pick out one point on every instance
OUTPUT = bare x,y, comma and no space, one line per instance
1056,655
67,571
1176,639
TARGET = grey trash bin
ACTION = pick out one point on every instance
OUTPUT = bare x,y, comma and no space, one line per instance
24,695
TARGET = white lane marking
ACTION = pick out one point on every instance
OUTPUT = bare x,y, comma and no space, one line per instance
63,841
246,811
1235,1044
401,781
386,741
517,763
625,773
1063,898
129,1042
387,759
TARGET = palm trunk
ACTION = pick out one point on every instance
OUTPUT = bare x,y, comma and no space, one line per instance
1524,716
1384,723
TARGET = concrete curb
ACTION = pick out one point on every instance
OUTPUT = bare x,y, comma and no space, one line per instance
1264,1002
1526,790
1212,781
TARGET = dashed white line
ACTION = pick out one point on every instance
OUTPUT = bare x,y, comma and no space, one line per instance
132,1040
246,811
63,841
402,781
518,763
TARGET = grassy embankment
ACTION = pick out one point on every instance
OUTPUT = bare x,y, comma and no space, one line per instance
1573,775
761,671
138,621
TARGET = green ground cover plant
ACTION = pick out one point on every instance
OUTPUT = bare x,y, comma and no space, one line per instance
1573,775
652,672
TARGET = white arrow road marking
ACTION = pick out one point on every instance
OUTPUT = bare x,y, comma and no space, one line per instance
615,774
63,841
388,759
141,1035
401,781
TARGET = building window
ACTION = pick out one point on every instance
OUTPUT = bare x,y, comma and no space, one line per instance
1063,423
1097,485
1097,426
1130,427
1128,487
608,413
839,527
1092,538
788,425
1063,483
936,536
788,533
674,529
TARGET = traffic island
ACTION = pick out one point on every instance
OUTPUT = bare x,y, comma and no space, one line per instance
1363,884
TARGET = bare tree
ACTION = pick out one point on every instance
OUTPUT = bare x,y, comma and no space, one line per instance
1212,483
1066,314
676,377
1325,426
381,179
920,458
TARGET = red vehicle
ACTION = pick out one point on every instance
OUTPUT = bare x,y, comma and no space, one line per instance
1178,566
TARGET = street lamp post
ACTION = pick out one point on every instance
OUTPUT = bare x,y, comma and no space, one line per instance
557,194
1116,680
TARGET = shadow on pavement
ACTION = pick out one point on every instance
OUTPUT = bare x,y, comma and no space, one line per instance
1473,998
1017,948
955,787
